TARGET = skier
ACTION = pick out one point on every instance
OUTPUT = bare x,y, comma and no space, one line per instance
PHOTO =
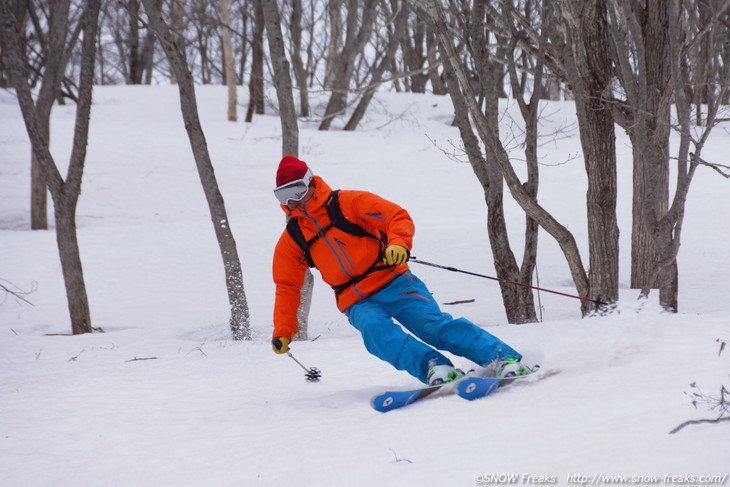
361,243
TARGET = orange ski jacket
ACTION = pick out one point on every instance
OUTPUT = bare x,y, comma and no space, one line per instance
340,257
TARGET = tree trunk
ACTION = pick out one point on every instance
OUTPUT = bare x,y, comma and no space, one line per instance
136,64
290,133
345,65
489,134
413,55
305,303
73,276
334,42
244,49
239,320
375,79
148,57
282,80
650,202
38,195
518,301
256,81
668,229
229,61
644,71
64,193
437,82
56,57
300,72
589,69
648,125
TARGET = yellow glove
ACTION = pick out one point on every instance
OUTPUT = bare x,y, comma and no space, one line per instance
395,255
280,344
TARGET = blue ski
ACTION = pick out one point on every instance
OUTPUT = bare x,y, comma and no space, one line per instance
476,387
387,401
471,386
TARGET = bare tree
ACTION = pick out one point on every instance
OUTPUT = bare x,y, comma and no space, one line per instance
300,70
333,39
65,193
201,25
667,230
590,70
290,132
140,53
55,65
256,80
134,54
384,59
640,39
359,25
488,132
577,54
470,22
171,42
438,86
593,45
54,47
282,79
662,51
244,46
704,53
411,33
224,8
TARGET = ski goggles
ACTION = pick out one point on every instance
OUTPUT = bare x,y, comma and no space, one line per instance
294,190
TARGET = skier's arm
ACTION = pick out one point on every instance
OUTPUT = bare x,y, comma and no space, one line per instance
289,274
383,215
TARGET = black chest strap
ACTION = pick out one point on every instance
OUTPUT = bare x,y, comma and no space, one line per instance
337,220
292,227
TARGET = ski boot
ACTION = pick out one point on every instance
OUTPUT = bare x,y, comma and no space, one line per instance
511,367
440,374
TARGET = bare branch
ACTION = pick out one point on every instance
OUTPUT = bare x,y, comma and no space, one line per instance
722,169
17,292
698,421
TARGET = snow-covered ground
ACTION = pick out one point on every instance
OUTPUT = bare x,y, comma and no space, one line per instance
204,410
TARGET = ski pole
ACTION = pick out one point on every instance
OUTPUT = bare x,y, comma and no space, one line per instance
312,374
597,302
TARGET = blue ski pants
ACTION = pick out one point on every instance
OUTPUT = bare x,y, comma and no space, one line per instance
408,300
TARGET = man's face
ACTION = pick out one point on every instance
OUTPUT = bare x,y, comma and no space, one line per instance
292,205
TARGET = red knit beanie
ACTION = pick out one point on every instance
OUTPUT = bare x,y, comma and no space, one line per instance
290,169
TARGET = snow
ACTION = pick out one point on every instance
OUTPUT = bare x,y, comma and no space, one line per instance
198,409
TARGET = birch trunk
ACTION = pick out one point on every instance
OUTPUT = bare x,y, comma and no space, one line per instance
239,320
229,61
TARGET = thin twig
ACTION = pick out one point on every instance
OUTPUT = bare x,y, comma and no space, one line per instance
74,359
399,459
460,302
698,421
18,294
